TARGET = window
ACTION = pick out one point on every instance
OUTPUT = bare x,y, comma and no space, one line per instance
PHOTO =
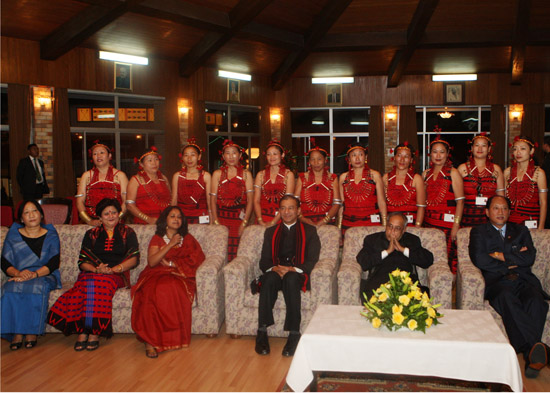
460,127
332,128
128,124
238,123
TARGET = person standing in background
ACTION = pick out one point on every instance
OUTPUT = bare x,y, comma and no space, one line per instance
31,175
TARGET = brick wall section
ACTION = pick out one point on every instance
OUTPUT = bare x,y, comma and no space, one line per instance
514,128
390,138
43,131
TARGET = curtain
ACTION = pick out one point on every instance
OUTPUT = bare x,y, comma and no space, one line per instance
498,134
20,114
533,127
64,183
376,139
407,129
171,163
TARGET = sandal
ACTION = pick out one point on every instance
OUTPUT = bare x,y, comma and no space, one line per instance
92,345
150,351
80,345
16,346
30,344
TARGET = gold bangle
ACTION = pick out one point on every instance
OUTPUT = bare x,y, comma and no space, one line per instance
143,216
457,219
85,217
244,222
216,222
121,268
417,223
120,214
326,219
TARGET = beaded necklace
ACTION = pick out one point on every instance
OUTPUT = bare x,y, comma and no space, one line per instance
362,191
224,197
315,205
473,172
146,181
436,189
272,195
192,193
518,193
399,195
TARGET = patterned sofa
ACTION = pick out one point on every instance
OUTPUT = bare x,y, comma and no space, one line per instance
208,307
437,277
241,306
470,285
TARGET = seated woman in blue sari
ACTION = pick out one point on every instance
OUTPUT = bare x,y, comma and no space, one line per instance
30,258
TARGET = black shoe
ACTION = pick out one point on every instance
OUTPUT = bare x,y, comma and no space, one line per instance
16,346
80,345
291,344
537,360
30,344
262,343
92,345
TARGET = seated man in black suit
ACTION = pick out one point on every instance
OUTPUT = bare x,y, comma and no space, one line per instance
383,252
289,253
504,253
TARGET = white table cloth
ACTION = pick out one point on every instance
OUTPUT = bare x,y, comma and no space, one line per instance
467,345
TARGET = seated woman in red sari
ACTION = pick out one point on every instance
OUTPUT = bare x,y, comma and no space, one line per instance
149,190
271,185
102,181
191,185
317,189
108,252
163,295
404,188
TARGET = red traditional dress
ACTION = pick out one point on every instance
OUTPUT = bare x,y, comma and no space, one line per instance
402,198
440,200
316,199
192,196
152,198
524,194
97,189
476,184
231,204
360,201
163,296
271,193
86,308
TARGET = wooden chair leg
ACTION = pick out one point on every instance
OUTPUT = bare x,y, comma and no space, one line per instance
235,336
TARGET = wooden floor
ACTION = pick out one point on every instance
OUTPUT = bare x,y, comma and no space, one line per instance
217,364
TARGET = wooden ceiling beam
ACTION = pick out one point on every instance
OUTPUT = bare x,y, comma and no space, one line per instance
415,32
272,35
79,28
519,40
330,13
242,14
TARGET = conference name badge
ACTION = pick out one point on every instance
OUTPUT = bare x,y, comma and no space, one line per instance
242,215
481,201
204,219
449,217
410,218
531,224
374,218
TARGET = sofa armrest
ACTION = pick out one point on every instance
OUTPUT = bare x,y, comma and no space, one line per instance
349,282
323,278
440,282
470,290
209,277
238,275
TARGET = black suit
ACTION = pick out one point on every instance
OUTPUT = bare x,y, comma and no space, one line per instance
516,294
546,166
292,282
26,177
370,259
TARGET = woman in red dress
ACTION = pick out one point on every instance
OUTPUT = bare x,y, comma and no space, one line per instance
482,179
102,181
318,190
231,185
404,188
163,296
271,185
526,185
148,191
363,192
444,196
191,185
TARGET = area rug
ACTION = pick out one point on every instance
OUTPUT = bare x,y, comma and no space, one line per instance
370,382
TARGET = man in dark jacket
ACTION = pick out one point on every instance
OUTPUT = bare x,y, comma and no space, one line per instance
383,252
289,253
504,253
31,175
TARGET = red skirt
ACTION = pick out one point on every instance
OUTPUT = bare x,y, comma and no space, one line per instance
435,219
87,307
161,308
229,216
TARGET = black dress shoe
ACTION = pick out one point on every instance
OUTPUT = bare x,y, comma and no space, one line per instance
538,359
291,344
262,343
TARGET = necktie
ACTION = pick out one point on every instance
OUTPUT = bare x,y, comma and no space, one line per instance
38,174
502,232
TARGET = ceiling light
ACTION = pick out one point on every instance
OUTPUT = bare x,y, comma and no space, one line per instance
343,79
124,58
359,123
106,116
318,122
454,77
234,75
446,114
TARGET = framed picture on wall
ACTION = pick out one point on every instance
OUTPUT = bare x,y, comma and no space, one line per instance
453,93
334,94
233,91
123,76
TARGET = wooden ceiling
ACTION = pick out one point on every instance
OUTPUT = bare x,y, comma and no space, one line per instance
298,38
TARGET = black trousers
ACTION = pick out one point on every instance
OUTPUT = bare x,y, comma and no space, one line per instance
523,311
34,193
290,284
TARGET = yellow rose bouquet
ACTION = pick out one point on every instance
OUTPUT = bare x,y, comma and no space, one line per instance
400,303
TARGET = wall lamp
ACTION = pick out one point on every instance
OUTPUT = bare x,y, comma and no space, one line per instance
123,58
342,79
